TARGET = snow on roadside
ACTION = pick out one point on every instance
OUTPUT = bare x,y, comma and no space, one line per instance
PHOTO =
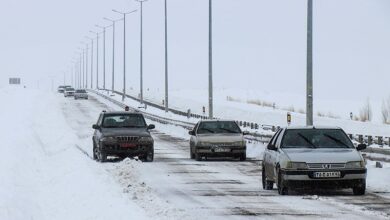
44,176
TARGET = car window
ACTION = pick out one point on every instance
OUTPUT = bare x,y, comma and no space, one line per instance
115,121
218,127
274,138
278,140
316,138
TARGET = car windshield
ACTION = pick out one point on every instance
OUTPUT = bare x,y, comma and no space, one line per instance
123,121
218,127
316,138
69,89
81,91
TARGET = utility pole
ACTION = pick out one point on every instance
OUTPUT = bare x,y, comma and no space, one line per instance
113,52
141,52
166,57
91,60
97,58
210,60
104,54
124,50
86,67
309,98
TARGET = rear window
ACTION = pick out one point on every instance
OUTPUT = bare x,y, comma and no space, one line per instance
316,138
81,91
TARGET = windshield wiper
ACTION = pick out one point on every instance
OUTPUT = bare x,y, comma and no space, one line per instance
307,140
206,129
336,140
228,130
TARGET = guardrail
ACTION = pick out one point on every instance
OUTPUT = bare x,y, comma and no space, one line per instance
253,136
264,138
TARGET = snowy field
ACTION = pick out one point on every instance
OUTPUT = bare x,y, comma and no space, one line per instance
240,110
48,173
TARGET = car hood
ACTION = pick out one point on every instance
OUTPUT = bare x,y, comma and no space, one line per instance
324,155
109,132
218,138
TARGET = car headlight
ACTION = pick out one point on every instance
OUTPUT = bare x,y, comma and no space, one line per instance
146,139
355,164
296,165
108,139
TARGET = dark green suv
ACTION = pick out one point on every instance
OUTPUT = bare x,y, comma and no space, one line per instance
122,134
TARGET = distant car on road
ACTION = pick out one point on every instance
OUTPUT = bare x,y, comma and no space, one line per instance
217,138
319,157
80,94
122,134
61,89
69,91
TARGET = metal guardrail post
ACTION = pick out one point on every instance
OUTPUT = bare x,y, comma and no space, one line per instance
369,140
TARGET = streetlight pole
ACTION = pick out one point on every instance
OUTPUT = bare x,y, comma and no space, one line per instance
210,60
97,58
309,83
124,50
141,52
104,54
86,66
91,60
166,57
113,52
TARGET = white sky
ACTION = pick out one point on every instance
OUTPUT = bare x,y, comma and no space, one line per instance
257,43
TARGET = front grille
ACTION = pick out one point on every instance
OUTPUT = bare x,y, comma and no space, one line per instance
326,166
127,139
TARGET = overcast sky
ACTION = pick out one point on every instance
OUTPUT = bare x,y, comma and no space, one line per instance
257,43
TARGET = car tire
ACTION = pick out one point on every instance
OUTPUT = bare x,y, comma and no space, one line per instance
149,157
243,157
95,152
267,185
359,190
102,156
198,157
192,155
282,189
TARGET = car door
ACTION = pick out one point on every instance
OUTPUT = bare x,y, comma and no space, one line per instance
268,163
193,137
275,155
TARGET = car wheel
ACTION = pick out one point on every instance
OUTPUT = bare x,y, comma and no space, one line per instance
149,156
198,157
102,157
95,152
359,190
282,189
192,155
267,185
243,157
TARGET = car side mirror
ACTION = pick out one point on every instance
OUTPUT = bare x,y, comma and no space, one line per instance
245,133
95,127
151,126
192,133
361,147
271,147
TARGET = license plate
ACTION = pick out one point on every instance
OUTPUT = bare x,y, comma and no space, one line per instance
327,174
221,150
127,145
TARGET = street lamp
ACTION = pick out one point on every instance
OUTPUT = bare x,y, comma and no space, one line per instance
124,50
210,60
104,54
141,51
91,60
166,57
309,65
113,52
97,58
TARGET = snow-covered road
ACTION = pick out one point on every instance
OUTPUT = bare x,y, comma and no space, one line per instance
48,174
